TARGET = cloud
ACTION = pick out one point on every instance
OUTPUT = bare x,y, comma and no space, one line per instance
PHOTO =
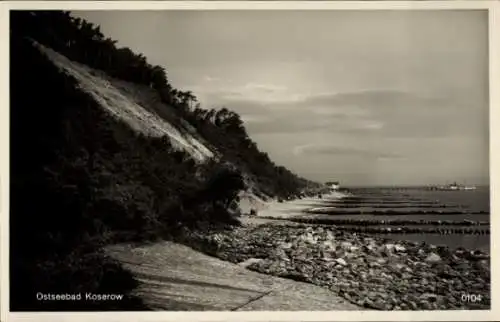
371,98
209,78
249,119
328,149
258,92
338,110
268,88
399,114
378,113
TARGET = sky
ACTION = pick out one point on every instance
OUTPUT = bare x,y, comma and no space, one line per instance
363,97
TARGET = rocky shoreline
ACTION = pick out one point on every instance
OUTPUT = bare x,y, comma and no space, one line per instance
368,271
370,222
340,211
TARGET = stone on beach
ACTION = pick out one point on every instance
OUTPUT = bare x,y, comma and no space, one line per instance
250,261
433,258
399,248
398,274
341,261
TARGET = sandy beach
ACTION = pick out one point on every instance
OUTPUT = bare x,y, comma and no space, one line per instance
267,210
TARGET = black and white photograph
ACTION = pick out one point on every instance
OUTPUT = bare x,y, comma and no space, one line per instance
249,160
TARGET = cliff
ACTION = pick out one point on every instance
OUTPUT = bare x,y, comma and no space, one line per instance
103,150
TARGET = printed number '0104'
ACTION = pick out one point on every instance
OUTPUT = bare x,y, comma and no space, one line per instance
474,298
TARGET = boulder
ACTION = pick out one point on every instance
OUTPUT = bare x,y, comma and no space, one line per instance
341,261
285,245
389,247
399,248
433,258
346,245
327,245
327,257
250,261
280,254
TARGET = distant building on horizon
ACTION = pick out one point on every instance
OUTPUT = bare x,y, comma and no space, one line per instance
334,185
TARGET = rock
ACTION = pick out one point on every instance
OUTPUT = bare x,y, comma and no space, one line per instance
346,245
412,244
301,257
350,255
251,261
327,257
295,276
399,248
379,304
372,295
432,247
389,246
330,235
309,238
338,267
404,306
446,272
397,267
413,305
425,306
280,254
341,261
483,267
348,297
328,245
286,245
444,252
461,266
428,297
433,258
385,275
368,303
360,261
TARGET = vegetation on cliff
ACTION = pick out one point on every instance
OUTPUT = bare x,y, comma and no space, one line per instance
81,179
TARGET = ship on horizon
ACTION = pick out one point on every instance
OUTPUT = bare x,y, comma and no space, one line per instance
453,187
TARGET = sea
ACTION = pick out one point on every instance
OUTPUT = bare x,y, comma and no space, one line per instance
455,218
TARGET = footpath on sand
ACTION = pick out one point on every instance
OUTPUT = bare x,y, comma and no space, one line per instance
176,277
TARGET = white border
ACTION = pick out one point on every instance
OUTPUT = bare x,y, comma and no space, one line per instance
494,51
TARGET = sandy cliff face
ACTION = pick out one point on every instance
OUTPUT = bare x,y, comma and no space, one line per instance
122,105
129,103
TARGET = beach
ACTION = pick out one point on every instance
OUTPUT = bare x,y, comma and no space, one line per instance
370,270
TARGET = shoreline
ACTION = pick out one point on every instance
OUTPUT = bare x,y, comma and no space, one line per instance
290,208
367,269
456,228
